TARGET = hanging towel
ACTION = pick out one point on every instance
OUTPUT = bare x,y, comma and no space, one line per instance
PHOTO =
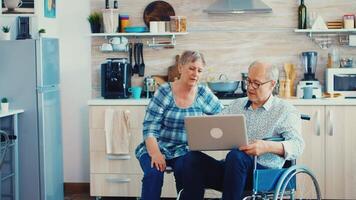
117,131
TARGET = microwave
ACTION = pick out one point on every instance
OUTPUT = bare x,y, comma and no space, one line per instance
341,80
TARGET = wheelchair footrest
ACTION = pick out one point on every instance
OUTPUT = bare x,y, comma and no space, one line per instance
265,180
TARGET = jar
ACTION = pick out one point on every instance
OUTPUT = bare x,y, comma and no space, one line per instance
349,21
124,22
178,23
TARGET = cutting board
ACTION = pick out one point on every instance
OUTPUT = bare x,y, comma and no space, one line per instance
173,71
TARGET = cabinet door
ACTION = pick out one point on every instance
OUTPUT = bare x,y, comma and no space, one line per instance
313,132
340,152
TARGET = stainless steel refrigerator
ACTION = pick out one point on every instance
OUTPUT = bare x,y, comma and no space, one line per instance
29,77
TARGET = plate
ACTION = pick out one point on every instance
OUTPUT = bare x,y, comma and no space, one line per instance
157,11
135,29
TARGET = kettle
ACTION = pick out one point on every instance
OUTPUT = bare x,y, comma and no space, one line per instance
149,86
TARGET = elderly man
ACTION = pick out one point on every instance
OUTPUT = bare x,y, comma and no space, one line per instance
266,116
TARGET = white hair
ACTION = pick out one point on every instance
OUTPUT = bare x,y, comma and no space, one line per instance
272,72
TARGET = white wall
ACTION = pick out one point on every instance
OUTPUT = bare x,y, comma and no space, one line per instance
73,31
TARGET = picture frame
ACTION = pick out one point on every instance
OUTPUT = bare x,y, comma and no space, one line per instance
49,8
17,7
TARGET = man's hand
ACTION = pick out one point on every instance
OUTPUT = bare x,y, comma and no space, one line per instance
257,148
158,161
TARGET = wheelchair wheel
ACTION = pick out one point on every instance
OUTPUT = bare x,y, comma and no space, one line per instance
298,182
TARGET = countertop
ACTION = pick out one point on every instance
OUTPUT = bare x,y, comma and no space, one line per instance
296,102
11,112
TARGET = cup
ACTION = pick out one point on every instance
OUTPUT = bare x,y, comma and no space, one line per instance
115,40
307,93
12,4
154,27
161,26
106,47
136,92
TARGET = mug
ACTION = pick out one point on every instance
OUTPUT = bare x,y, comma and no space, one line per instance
106,47
153,27
307,93
12,4
136,91
115,40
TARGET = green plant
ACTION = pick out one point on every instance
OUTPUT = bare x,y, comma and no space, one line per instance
4,100
5,29
42,30
94,17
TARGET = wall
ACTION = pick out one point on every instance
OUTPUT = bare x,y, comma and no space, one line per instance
73,31
230,42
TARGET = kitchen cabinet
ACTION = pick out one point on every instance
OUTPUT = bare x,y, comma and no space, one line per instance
329,153
121,175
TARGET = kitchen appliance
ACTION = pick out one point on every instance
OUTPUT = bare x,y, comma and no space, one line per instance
23,28
149,87
116,78
341,80
238,7
309,63
29,77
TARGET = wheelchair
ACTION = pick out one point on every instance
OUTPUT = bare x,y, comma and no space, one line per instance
290,182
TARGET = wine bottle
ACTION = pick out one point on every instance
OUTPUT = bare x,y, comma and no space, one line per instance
302,15
107,6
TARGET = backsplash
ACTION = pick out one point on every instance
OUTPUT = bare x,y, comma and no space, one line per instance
229,42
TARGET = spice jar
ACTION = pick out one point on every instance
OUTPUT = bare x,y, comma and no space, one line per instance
349,21
124,22
178,24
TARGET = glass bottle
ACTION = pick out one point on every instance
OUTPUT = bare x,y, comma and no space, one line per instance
107,6
302,15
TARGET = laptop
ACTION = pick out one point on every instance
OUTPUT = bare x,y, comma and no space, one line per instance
216,132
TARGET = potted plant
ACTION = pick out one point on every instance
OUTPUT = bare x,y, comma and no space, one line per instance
95,22
5,32
4,105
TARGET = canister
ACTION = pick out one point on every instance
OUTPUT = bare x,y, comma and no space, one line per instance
349,21
124,22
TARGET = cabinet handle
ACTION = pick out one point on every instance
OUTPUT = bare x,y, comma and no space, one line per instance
118,157
118,180
331,124
317,124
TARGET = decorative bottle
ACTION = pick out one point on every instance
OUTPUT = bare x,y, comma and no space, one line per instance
302,15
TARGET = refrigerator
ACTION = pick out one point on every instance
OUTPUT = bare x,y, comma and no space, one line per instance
29,78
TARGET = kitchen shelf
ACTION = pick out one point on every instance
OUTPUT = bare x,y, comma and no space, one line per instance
324,38
137,34
152,44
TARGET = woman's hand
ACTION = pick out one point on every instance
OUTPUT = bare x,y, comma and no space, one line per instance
158,161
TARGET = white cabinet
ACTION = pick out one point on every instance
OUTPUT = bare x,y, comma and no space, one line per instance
118,175
329,152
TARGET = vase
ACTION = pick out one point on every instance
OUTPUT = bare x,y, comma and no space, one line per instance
5,36
95,27
4,107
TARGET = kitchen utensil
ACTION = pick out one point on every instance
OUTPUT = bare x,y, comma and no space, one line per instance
223,86
135,29
141,69
173,71
157,11
130,56
136,58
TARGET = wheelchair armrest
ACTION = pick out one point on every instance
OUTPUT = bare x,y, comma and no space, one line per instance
274,138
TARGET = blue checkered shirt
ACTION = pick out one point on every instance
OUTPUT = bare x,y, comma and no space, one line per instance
164,120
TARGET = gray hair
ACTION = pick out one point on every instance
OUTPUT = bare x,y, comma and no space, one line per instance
191,56
272,72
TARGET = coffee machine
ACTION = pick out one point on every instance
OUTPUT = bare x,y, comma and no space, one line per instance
116,78
309,62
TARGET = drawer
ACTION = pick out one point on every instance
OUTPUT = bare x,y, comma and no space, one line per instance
97,139
100,162
97,115
125,185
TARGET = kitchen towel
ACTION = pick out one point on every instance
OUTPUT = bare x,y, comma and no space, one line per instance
117,131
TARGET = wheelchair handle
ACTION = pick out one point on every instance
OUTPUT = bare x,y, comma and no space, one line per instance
305,117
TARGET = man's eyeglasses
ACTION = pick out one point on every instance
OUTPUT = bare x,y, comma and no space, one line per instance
255,85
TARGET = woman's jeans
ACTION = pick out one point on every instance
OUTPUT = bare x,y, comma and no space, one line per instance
229,176
152,181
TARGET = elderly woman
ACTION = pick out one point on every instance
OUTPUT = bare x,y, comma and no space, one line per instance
164,135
